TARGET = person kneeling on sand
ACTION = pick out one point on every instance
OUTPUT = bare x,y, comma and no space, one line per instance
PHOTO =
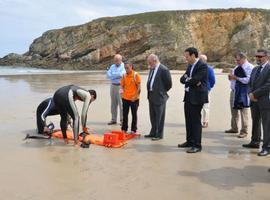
64,99
46,108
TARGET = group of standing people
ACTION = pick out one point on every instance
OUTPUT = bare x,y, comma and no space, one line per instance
198,80
250,87
125,91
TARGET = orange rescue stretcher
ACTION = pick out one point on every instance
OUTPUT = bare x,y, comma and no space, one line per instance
113,139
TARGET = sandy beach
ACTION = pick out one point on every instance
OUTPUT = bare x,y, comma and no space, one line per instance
143,169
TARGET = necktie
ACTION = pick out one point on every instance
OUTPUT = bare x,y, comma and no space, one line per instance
151,73
189,70
258,72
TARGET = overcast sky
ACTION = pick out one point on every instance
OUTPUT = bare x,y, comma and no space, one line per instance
22,21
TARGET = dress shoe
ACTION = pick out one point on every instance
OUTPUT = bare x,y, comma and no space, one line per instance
156,138
184,145
194,150
242,135
263,152
252,145
205,125
231,131
148,136
111,123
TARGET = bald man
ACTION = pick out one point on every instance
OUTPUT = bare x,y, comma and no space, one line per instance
115,73
210,84
158,84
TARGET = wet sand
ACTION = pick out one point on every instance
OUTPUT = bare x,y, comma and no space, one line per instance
43,169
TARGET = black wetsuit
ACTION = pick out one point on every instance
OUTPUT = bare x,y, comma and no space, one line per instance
64,99
44,109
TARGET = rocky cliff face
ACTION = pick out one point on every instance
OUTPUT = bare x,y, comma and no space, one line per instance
216,33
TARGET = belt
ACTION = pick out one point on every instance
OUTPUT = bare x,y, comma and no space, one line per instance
116,84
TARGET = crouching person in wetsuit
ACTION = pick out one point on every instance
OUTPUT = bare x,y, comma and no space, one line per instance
64,99
44,109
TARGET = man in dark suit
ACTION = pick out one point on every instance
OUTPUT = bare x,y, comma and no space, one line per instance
158,84
196,94
259,94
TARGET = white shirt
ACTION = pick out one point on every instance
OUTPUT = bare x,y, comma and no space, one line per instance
190,75
247,67
192,68
264,65
153,77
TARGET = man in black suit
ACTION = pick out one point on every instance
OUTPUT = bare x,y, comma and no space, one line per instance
259,94
196,94
158,84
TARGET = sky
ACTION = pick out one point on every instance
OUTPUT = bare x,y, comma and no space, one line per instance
21,21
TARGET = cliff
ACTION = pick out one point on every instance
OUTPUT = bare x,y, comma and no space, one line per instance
216,33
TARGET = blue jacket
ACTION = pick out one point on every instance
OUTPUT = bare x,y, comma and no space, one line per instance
241,99
211,78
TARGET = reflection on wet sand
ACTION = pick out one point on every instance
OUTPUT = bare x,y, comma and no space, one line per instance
54,81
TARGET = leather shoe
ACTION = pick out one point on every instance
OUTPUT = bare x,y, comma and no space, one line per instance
156,138
231,131
111,123
148,136
194,150
263,152
242,135
184,145
251,145
205,125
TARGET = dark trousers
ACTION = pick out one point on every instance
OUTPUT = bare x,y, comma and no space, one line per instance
256,123
44,109
193,124
64,106
265,113
157,118
134,107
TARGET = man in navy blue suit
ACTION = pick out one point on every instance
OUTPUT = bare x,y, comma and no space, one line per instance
196,94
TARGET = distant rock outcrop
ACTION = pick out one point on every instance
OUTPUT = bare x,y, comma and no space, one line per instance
216,33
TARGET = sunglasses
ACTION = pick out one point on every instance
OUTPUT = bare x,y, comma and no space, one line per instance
259,56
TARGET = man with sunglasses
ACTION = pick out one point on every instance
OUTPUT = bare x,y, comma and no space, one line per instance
259,89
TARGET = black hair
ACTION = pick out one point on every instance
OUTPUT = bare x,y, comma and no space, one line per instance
93,92
129,63
192,50
264,51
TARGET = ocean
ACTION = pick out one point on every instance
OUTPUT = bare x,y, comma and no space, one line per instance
7,70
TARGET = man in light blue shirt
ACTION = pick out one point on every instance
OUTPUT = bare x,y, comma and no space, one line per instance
115,74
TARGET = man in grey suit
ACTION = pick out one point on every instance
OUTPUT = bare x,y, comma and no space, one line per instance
158,84
259,94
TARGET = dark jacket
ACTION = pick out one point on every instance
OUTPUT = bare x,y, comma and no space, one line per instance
198,94
241,99
161,85
260,87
